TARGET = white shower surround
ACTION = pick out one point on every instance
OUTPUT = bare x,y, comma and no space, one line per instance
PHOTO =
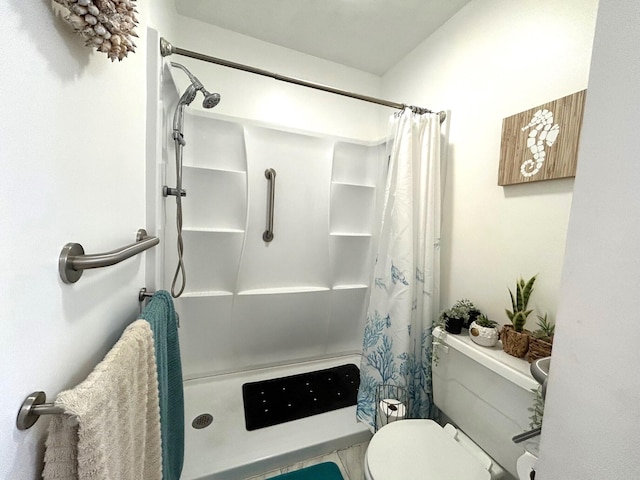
254,310
248,303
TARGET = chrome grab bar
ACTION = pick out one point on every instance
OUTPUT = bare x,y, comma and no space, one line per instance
270,174
73,261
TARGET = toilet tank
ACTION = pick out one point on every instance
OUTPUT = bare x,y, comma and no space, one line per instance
485,392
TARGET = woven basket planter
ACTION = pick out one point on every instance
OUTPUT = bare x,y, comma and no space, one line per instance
515,343
539,348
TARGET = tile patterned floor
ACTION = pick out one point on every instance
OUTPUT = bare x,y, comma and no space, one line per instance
349,461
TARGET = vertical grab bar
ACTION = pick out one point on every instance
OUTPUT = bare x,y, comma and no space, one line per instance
270,174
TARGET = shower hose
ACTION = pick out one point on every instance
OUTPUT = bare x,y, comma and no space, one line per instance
180,272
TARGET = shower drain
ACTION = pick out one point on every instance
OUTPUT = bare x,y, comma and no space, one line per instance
202,421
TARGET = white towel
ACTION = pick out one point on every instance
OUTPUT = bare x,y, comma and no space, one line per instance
111,429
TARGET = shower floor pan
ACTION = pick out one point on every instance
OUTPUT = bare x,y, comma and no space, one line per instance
226,450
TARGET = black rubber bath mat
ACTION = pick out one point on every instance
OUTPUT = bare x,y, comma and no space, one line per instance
280,400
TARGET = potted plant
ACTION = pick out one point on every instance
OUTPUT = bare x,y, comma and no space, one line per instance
484,331
472,311
541,341
514,337
453,319
461,314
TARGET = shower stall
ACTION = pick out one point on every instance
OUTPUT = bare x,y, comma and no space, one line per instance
250,303
255,309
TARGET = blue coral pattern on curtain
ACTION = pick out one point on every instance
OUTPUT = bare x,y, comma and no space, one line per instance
405,289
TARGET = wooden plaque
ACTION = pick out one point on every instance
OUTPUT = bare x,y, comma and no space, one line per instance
542,143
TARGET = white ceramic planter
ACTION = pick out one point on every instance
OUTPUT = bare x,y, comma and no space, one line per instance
485,336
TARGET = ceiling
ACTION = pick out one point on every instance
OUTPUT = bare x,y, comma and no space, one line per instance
370,35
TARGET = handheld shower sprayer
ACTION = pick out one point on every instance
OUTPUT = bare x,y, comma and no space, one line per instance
210,101
189,95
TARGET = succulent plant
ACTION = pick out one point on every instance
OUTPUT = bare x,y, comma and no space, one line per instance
519,314
545,330
463,309
483,321
471,310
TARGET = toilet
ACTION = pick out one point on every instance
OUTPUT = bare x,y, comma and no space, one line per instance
484,395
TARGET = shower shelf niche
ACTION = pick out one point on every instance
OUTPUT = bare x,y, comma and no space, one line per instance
214,143
212,293
212,230
350,287
352,208
215,198
350,234
283,290
211,258
353,184
218,170
350,257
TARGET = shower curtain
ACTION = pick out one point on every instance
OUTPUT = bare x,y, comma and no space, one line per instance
405,289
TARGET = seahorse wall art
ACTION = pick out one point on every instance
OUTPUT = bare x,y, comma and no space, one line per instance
542,131
542,143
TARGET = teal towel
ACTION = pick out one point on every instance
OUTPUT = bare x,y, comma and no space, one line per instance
161,315
322,471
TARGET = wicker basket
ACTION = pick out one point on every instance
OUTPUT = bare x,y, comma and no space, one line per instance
539,348
515,343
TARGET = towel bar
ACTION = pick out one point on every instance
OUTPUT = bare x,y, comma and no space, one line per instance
73,261
143,293
31,409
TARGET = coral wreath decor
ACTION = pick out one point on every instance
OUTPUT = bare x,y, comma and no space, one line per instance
106,25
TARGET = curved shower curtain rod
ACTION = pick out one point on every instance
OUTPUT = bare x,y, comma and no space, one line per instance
167,49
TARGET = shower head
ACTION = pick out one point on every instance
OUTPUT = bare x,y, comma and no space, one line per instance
188,96
210,99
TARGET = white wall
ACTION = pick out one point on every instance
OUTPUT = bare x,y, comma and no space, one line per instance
72,146
72,150
592,416
72,169
264,99
493,59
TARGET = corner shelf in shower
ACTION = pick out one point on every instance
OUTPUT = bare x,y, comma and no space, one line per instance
355,286
214,142
211,256
357,164
282,290
350,257
212,230
350,234
353,184
215,198
215,169
211,293
351,207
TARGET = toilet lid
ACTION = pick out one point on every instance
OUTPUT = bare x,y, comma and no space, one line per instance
419,450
